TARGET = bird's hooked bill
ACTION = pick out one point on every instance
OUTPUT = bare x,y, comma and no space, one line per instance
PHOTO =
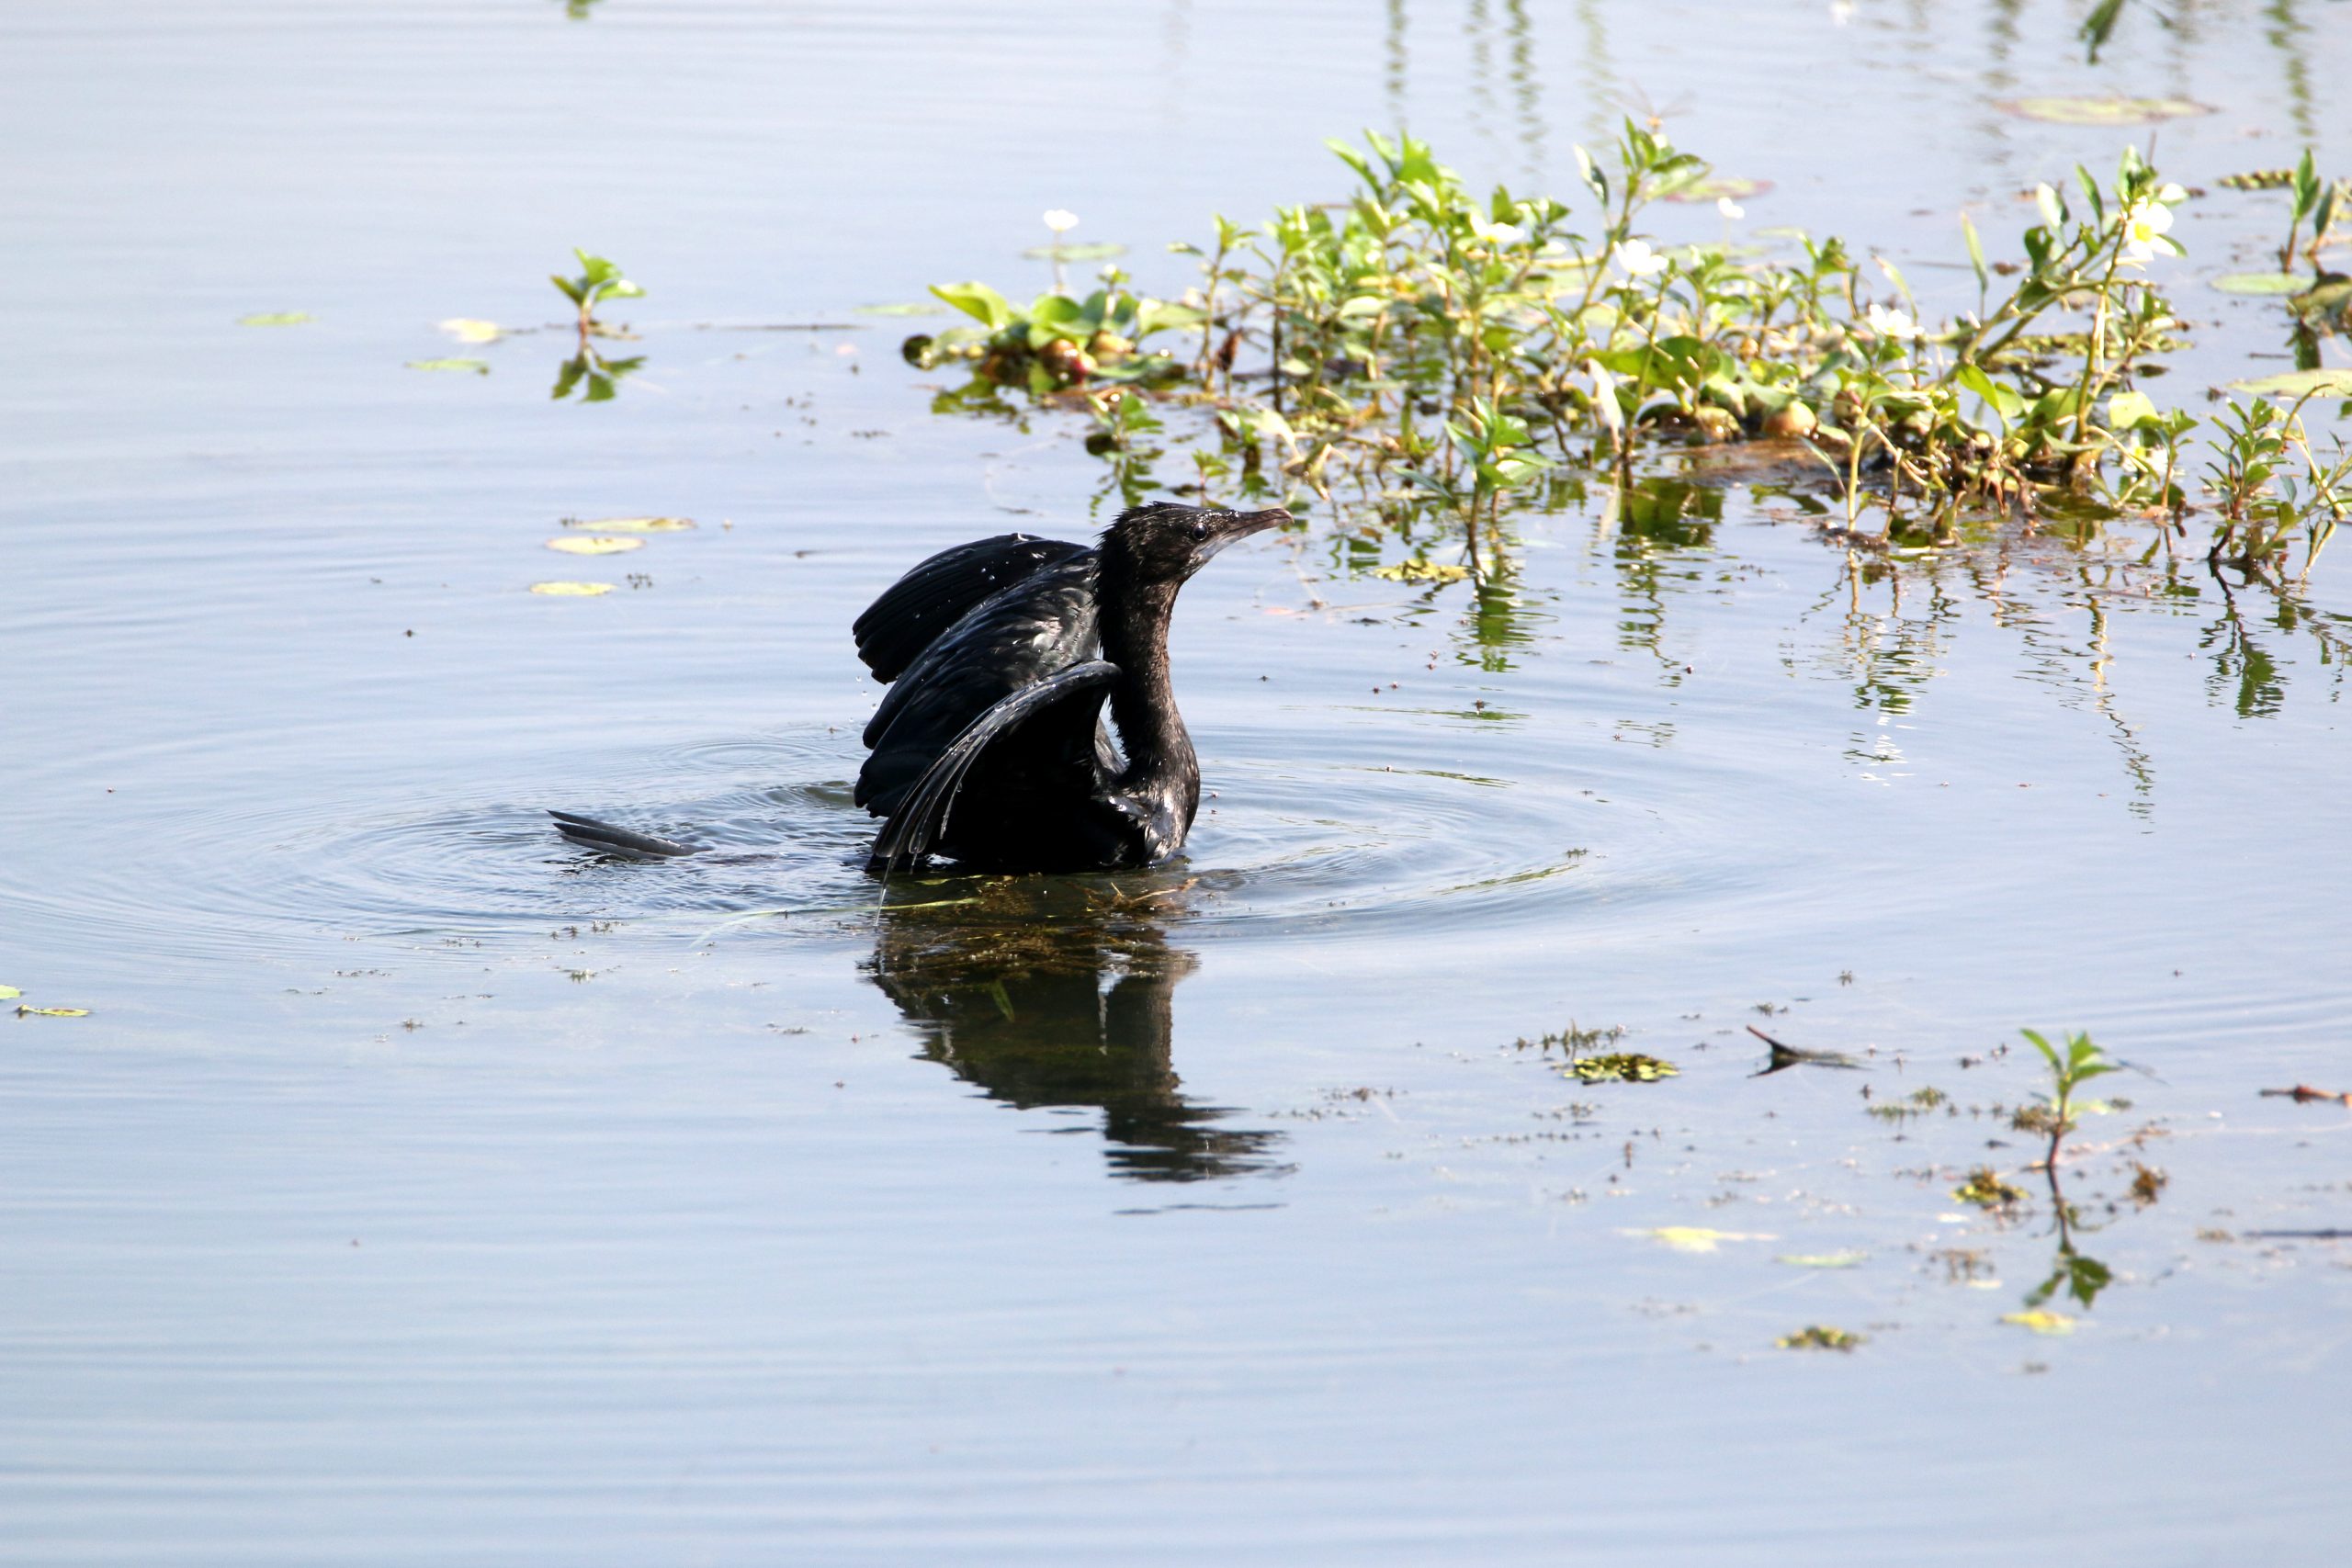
1242,524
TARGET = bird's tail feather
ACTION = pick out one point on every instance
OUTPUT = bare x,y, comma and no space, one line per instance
589,833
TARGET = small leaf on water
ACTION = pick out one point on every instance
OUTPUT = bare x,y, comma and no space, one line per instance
2295,383
1621,1067
23,1011
572,589
1819,1337
1695,1238
630,525
1823,1259
2260,283
9,991
1715,188
479,366
588,545
469,328
1422,571
2041,1321
276,318
1099,250
2101,111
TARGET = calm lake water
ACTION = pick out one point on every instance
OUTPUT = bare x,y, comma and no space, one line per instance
418,1189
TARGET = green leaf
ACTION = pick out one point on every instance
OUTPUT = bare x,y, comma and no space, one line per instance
2299,383
2108,111
571,291
2260,283
479,366
1975,252
976,300
2129,411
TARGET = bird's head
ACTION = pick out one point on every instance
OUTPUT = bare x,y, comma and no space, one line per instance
1166,543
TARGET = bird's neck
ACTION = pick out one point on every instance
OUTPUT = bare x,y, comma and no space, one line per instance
1143,702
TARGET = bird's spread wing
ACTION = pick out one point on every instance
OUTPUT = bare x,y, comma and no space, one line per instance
912,612
1056,717
1015,638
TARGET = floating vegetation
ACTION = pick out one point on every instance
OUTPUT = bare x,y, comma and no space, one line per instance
593,545
1820,1336
1620,1067
1421,357
1695,1238
2055,111
469,328
572,589
1571,1040
276,318
24,1010
1418,570
2261,283
630,525
9,993
2302,1094
1986,1189
1824,1259
2041,1320
457,363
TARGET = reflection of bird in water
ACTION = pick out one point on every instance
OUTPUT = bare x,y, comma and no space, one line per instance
1062,994
991,748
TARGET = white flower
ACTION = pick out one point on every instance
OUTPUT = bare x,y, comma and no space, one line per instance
1730,209
2144,227
1894,325
1496,234
1061,221
1639,260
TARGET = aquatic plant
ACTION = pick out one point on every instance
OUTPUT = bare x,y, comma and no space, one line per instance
2080,1061
1421,358
600,280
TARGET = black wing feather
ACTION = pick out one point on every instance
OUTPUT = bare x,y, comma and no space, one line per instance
1015,638
912,612
1072,697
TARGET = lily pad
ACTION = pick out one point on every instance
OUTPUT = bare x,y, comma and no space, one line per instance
593,545
630,525
2299,383
2058,110
1098,249
23,1011
1715,187
1695,1238
1818,1336
470,328
1422,571
276,318
1823,1259
572,589
2261,283
479,366
1621,1067
2041,1321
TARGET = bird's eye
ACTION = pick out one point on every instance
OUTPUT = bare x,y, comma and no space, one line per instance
1200,530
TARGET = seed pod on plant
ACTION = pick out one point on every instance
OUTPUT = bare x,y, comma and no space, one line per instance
1065,360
